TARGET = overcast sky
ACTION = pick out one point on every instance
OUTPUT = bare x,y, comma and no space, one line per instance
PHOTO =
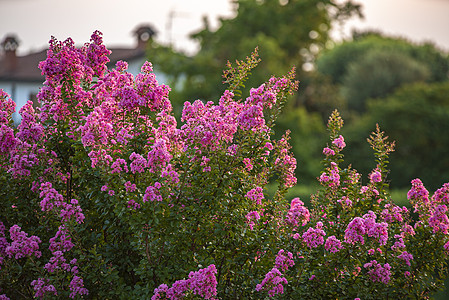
35,21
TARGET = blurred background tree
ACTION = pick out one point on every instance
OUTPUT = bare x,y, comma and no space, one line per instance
373,66
416,116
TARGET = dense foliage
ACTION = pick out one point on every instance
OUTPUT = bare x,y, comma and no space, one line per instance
416,117
374,66
105,196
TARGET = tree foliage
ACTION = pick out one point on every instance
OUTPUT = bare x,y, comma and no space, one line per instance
416,117
373,66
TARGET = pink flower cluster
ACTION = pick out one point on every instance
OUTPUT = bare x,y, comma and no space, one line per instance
284,260
377,272
418,195
202,283
57,262
42,286
314,237
21,244
297,214
251,217
332,178
366,226
339,142
328,151
7,107
407,257
256,195
210,125
392,213
333,244
61,241
375,176
345,202
442,194
52,200
66,62
285,162
76,287
272,283
438,219
152,193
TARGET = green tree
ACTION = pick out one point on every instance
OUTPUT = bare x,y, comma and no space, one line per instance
416,117
378,74
373,66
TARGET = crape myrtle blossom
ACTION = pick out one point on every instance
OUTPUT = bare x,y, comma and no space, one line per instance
298,214
21,244
418,196
314,237
375,176
53,200
210,125
407,257
367,225
328,151
339,142
22,151
285,163
393,213
333,244
7,107
29,129
332,177
77,287
7,138
61,241
377,272
65,61
284,260
256,195
251,217
202,283
442,194
42,288
438,219
272,283
345,202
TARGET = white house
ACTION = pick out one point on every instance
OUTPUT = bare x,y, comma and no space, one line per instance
21,78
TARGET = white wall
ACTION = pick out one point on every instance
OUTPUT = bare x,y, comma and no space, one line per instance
135,65
20,93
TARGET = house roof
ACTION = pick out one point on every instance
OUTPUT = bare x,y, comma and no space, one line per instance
25,69
124,54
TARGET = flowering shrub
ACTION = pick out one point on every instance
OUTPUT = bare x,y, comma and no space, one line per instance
104,195
355,243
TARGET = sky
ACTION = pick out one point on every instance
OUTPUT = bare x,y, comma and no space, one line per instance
35,21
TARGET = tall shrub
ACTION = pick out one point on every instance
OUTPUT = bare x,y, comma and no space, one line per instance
105,196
